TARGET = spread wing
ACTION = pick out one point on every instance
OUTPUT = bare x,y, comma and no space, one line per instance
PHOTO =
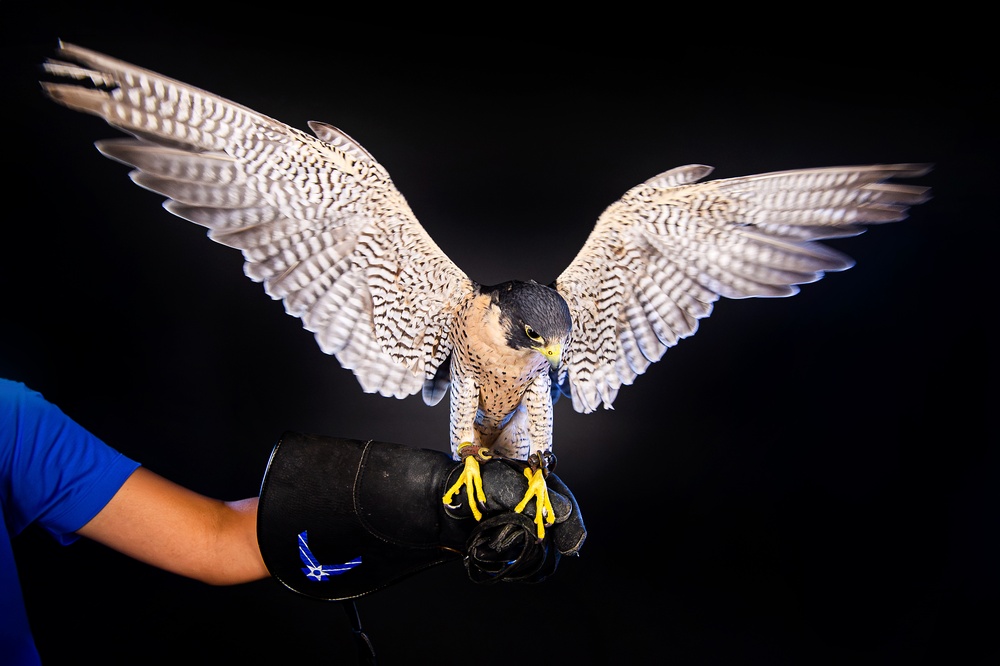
659,257
319,221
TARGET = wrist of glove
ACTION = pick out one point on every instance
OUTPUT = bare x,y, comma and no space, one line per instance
340,518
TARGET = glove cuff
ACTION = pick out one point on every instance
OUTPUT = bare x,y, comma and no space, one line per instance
329,530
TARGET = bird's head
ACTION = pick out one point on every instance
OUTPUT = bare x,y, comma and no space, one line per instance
534,317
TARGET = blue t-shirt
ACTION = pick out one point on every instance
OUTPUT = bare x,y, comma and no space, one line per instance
52,473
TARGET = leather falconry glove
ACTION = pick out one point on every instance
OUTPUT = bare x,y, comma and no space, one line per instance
341,518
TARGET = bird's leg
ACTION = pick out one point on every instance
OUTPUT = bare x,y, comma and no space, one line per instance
535,472
472,455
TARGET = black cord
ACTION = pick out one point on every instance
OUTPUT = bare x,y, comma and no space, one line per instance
366,651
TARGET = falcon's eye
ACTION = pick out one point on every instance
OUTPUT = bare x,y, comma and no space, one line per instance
530,332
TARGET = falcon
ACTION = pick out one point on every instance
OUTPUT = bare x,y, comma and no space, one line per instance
325,230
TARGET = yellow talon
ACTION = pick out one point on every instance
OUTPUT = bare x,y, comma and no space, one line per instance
473,482
539,490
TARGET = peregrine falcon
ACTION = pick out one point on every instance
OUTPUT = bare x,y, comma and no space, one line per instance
323,227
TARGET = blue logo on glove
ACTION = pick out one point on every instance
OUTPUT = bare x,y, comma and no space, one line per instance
320,572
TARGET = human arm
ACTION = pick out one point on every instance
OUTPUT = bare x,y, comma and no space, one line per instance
56,473
161,523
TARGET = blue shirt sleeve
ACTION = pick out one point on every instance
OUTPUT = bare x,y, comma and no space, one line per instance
53,472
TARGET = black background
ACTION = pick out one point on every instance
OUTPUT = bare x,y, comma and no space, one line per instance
810,480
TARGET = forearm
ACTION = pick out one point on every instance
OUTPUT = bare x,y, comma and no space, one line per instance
170,527
236,543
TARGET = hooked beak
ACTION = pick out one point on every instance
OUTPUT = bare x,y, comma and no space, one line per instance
553,353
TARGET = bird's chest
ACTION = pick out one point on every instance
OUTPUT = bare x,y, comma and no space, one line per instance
481,353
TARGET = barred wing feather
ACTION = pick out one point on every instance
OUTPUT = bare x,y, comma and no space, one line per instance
663,254
318,219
